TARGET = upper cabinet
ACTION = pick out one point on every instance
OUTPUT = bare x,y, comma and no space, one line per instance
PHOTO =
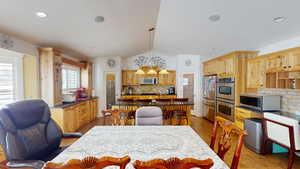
211,68
130,78
87,77
275,70
226,66
167,79
256,73
291,61
274,63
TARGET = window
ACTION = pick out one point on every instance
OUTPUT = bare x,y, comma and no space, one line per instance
7,87
70,77
11,77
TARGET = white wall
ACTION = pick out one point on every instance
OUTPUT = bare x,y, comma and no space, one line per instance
282,45
100,68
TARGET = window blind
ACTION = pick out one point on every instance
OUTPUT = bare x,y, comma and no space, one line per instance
70,78
7,81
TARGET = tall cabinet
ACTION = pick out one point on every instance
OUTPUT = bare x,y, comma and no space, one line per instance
87,77
51,76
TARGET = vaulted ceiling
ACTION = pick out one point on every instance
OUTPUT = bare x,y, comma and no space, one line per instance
183,26
70,24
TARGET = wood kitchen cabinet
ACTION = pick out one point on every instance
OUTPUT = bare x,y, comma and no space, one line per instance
87,77
274,63
51,76
256,73
167,79
226,66
242,114
74,116
130,78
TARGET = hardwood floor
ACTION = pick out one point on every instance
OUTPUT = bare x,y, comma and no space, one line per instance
249,159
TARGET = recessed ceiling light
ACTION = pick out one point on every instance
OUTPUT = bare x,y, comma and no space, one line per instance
99,19
41,14
214,18
279,19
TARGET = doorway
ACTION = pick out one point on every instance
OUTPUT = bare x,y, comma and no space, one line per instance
188,87
110,79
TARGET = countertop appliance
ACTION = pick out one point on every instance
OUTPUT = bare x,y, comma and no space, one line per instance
69,97
149,81
209,97
260,102
171,91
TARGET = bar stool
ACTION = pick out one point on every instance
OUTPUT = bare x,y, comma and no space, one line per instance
105,114
167,114
181,113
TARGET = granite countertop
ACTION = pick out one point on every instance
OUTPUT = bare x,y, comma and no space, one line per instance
67,104
285,114
151,94
137,103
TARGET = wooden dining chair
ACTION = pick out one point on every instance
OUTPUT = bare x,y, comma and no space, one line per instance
174,163
283,131
180,113
224,143
90,162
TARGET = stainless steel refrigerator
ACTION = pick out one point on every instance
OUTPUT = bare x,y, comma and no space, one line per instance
209,97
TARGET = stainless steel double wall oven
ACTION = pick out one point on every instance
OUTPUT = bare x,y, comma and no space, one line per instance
226,98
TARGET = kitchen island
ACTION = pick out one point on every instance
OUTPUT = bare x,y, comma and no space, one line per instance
165,106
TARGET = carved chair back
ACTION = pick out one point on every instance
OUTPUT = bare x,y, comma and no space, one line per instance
224,140
90,162
174,163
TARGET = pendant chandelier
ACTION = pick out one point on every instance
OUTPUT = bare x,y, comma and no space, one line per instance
153,62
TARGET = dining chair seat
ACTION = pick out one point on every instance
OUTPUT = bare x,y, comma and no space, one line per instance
149,116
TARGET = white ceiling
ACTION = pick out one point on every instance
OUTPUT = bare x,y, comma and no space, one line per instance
70,24
183,26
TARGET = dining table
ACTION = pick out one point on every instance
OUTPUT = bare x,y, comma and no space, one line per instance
141,143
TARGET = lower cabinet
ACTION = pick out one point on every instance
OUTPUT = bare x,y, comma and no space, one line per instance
71,118
242,114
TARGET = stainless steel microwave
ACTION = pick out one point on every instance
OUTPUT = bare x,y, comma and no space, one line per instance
149,81
261,102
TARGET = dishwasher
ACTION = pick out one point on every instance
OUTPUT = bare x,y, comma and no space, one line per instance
254,139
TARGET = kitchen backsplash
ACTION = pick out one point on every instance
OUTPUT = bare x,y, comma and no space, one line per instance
290,101
148,89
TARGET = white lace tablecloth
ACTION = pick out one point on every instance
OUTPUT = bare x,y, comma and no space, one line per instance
141,143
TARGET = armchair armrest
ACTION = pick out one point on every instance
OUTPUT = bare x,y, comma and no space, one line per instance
36,164
72,135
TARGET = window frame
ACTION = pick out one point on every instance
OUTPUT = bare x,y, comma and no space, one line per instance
71,67
15,58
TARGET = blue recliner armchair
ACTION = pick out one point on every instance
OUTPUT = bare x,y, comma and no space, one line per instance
28,135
